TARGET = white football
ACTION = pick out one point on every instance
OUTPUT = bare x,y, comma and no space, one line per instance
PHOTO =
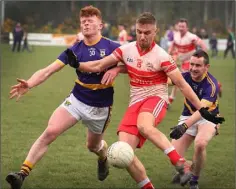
120,154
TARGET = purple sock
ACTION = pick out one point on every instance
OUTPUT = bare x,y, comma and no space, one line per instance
194,178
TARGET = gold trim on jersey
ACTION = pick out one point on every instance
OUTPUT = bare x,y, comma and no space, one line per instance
209,104
203,76
59,62
107,122
94,86
212,85
94,42
188,106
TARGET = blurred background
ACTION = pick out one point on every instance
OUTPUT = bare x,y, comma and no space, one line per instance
61,17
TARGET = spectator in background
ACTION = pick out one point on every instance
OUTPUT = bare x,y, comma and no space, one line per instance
80,37
195,31
25,44
106,30
168,37
123,35
203,34
133,33
230,43
164,43
170,34
17,37
213,45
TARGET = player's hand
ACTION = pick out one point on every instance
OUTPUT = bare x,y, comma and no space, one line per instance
178,131
220,89
214,118
72,59
109,76
20,89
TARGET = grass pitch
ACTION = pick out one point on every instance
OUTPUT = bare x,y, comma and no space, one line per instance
68,164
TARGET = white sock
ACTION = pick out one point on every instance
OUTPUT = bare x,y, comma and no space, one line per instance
168,150
143,183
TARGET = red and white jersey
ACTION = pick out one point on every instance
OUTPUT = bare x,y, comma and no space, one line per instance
147,71
122,37
186,45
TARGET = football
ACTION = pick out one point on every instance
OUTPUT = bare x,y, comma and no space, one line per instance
120,155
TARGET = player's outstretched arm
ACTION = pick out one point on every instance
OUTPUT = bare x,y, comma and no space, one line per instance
98,65
37,78
177,78
201,44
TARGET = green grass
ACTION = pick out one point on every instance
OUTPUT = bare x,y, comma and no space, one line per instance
68,164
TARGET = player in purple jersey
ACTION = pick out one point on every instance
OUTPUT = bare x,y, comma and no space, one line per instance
206,88
90,101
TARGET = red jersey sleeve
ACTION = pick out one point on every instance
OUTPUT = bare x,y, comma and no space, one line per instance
118,54
168,64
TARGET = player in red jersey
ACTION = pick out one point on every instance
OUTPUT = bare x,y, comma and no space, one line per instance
184,45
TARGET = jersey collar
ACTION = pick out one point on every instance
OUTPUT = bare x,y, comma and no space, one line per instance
141,53
203,77
93,42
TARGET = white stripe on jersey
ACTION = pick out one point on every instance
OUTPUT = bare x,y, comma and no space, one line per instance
139,93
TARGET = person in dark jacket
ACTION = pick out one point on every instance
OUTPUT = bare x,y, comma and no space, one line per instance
25,43
17,37
230,43
213,44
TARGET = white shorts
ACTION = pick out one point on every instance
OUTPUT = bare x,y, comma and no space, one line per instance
95,118
193,129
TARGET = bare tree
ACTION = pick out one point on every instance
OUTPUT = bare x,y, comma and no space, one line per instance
205,16
72,6
232,16
226,14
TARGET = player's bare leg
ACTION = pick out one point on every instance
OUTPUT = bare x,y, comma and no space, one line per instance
146,127
98,146
205,134
136,169
60,121
173,94
181,145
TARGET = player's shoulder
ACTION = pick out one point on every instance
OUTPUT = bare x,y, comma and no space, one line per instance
211,80
109,41
211,84
191,35
186,75
161,52
77,45
176,34
129,46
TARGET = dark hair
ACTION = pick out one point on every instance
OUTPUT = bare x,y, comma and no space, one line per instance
90,11
183,20
146,18
201,53
121,24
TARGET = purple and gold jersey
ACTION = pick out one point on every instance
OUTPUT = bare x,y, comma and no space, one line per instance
88,88
206,90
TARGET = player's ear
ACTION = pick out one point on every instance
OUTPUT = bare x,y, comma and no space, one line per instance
101,24
157,30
